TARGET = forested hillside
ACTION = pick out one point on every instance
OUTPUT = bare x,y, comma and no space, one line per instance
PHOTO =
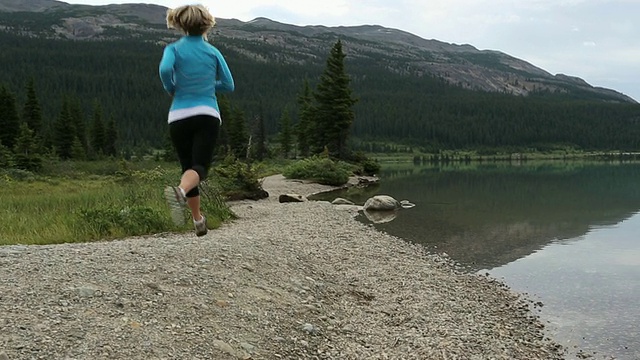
121,74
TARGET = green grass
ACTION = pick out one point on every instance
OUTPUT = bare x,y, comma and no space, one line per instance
126,199
270,167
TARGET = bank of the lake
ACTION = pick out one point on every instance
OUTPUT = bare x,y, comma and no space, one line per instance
284,281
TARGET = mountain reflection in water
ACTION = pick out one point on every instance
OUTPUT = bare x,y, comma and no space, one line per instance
485,216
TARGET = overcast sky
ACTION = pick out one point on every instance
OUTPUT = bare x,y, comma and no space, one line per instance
597,40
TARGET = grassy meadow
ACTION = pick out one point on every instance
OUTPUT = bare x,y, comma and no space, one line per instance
71,201
87,201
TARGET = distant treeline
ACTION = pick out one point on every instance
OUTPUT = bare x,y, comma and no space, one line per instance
122,75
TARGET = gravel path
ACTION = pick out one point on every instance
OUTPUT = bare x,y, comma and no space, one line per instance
285,281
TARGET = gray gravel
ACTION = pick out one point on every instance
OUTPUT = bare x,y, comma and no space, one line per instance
285,281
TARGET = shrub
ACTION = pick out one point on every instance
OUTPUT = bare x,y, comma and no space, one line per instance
320,169
365,165
213,203
238,180
111,221
370,167
13,174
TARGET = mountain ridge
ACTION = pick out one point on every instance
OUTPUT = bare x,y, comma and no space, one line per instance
400,51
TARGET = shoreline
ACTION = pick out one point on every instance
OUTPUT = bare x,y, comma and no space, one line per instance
284,281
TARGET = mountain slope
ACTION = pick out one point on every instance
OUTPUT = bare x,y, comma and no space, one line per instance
29,5
266,40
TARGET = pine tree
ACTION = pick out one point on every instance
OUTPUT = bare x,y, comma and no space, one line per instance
111,138
32,112
169,151
64,132
9,119
78,122
27,156
237,132
77,150
225,114
334,113
285,136
97,130
260,138
6,157
304,128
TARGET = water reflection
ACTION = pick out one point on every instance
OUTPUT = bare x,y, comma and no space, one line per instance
381,217
489,215
590,286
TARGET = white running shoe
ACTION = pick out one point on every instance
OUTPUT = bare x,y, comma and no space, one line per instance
176,201
201,226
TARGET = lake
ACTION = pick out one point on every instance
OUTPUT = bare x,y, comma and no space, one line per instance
565,233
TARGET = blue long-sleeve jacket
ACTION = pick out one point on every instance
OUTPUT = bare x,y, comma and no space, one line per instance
193,71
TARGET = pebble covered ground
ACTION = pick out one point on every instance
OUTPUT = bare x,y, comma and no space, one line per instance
284,281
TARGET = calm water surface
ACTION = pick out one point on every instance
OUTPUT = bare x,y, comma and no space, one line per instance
567,234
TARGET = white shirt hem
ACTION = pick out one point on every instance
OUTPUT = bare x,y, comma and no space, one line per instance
180,114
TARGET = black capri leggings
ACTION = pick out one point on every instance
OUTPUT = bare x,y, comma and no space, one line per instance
194,139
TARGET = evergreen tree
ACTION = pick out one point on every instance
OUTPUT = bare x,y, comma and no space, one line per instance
237,132
27,156
169,151
9,119
6,157
304,128
77,119
334,114
98,136
111,137
64,132
225,115
285,136
77,150
260,143
32,112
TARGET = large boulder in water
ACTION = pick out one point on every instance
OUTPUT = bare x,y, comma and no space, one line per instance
381,203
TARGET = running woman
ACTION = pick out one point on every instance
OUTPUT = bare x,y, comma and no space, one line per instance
192,71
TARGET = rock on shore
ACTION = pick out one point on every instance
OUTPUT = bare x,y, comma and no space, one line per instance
285,281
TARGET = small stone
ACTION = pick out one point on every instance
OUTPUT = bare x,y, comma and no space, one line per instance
247,347
288,198
310,329
342,201
87,291
247,267
223,346
4,356
153,286
347,328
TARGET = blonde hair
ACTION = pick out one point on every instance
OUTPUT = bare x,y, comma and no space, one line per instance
190,19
